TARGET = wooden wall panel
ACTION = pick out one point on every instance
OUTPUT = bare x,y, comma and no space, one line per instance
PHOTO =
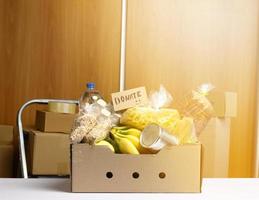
54,48
2,52
181,44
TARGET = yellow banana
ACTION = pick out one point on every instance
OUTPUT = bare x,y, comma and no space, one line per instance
105,143
131,131
131,138
126,131
125,145
121,127
135,141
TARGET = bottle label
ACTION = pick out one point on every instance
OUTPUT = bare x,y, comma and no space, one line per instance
129,98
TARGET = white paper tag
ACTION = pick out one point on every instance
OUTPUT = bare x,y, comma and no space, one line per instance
129,98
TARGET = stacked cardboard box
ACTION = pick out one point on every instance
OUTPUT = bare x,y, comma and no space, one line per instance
6,151
48,146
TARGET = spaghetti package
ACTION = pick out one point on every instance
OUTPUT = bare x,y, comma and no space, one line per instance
194,114
196,105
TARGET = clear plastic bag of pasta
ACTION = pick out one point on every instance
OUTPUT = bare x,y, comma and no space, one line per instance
196,105
140,117
195,112
156,113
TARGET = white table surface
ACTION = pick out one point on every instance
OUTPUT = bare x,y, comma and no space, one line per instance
53,188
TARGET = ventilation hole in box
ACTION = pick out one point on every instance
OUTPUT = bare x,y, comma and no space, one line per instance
161,175
135,175
109,175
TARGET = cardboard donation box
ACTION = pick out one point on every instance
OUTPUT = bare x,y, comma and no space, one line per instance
98,169
54,122
6,151
48,153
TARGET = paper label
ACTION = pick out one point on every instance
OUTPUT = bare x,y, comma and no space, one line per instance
129,98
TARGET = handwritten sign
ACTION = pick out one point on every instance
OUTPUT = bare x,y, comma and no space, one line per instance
129,98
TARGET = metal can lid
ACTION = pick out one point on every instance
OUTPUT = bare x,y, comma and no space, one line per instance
150,135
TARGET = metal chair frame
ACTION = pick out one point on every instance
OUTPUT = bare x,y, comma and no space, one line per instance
22,155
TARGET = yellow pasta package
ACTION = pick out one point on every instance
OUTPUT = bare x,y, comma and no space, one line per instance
140,117
168,119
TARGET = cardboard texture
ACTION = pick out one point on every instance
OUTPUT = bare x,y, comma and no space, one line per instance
48,153
129,98
6,134
215,140
54,122
6,161
179,165
224,103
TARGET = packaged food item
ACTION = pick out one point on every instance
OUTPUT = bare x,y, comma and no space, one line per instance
101,129
140,117
82,126
160,98
196,106
195,114
155,138
94,123
184,130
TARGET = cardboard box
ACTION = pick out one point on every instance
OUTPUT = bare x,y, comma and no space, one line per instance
54,122
6,134
224,103
215,140
6,161
98,169
48,153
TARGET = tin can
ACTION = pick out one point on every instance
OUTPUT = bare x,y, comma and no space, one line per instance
155,138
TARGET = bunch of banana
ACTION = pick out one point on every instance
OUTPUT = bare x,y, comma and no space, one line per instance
105,143
127,140
110,143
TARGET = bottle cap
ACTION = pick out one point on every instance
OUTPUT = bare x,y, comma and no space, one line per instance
90,85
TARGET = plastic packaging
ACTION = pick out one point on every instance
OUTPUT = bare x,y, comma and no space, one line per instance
169,119
196,106
82,126
140,117
89,97
94,123
160,98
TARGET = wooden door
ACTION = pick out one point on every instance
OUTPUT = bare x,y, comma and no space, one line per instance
181,44
53,47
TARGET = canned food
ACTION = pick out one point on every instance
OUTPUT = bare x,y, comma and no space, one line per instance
154,137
